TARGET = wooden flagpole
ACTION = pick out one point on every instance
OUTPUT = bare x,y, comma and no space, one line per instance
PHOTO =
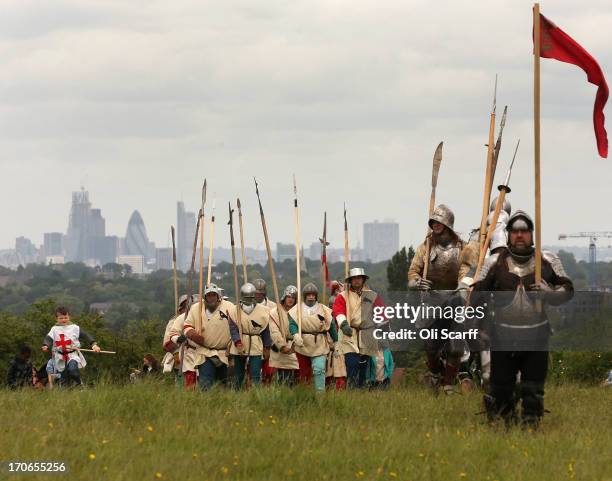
536,138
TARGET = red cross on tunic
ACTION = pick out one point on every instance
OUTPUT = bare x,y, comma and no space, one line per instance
62,344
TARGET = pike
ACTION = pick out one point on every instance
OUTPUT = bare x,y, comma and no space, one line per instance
298,265
190,284
233,244
437,161
497,149
174,278
324,271
269,252
212,241
91,350
346,267
488,183
201,287
503,190
242,249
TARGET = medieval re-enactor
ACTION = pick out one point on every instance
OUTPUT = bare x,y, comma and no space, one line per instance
171,361
64,340
282,357
519,330
445,270
212,340
261,297
250,331
357,342
480,355
317,338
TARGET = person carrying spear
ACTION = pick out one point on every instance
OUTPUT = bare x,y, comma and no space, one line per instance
250,336
64,341
435,271
282,357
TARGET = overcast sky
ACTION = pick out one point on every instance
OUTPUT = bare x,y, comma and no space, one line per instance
138,101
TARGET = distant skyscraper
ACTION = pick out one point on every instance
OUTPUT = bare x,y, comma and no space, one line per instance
86,239
78,227
26,251
53,244
136,240
163,258
185,232
106,249
380,240
284,251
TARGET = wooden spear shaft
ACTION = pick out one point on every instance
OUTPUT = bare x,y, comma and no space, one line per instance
503,190
211,245
91,350
174,276
486,198
242,248
298,267
201,285
233,244
347,253
264,227
324,259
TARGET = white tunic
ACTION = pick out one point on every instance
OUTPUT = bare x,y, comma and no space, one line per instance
65,340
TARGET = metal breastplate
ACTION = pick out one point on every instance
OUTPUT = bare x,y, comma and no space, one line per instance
521,313
444,266
521,269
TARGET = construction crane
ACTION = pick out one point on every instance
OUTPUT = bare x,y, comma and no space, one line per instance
593,237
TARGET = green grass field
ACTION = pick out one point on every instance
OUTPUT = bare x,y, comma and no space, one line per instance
148,432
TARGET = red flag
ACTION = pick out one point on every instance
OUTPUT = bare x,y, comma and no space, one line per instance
556,44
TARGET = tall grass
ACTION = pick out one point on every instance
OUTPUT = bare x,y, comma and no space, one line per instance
154,431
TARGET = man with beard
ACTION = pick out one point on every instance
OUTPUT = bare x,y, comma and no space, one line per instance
250,333
212,340
445,269
357,343
519,331
317,338
282,357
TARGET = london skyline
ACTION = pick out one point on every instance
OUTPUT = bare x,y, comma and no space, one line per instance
353,109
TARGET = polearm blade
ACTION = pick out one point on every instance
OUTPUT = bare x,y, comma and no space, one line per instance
212,243
488,182
298,265
324,272
201,285
435,170
503,190
242,248
174,277
281,312
497,148
233,244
